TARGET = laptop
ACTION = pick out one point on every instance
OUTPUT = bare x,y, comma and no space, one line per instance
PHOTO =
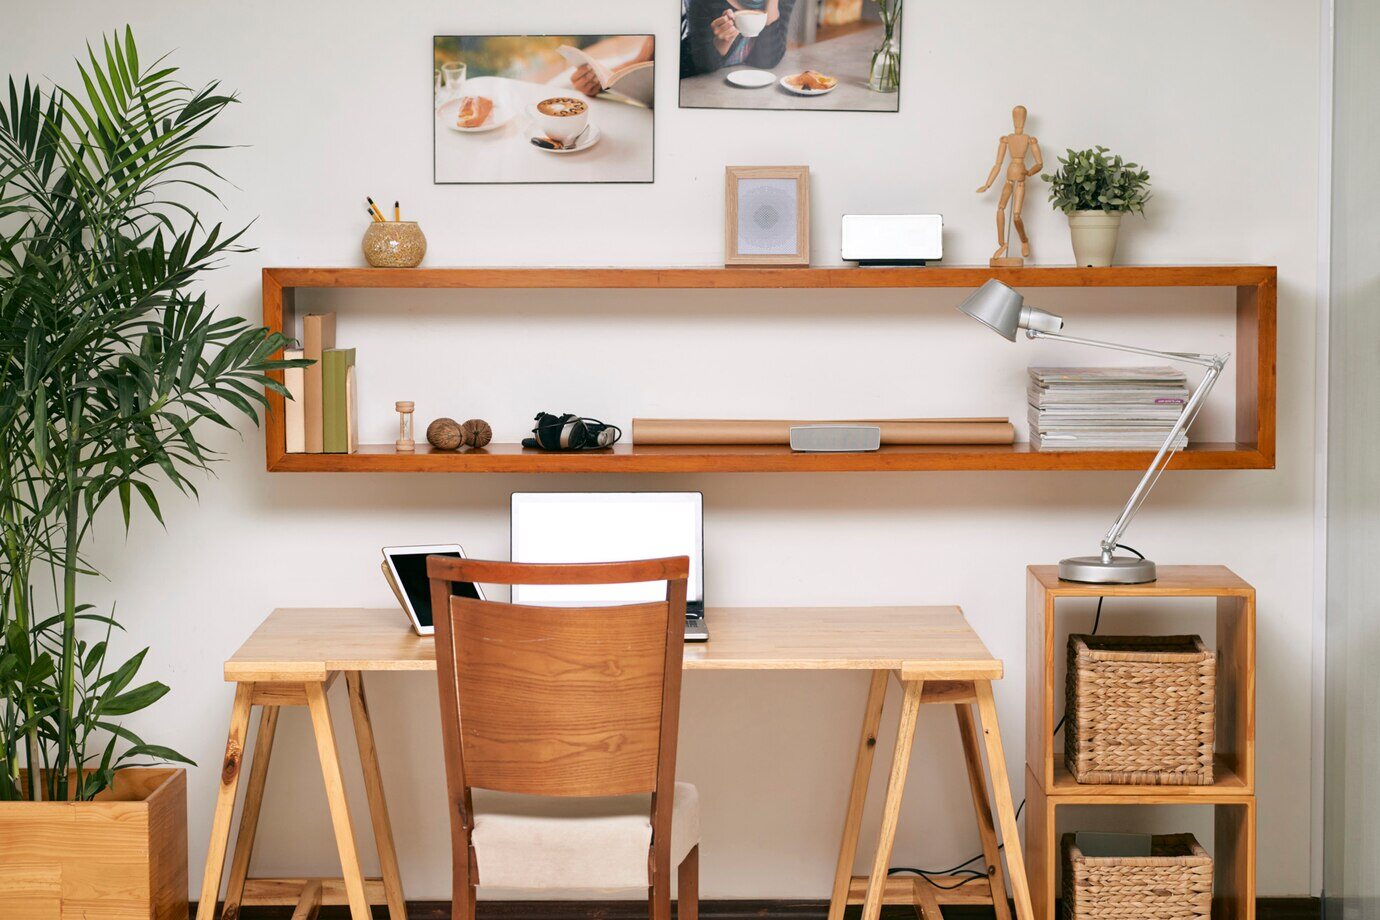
610,527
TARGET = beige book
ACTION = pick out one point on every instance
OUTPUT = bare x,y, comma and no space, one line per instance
318,335
908,431
294,409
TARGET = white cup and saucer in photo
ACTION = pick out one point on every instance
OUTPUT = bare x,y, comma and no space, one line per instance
564,120
750,24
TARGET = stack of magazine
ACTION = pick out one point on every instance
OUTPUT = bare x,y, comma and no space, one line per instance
1105,408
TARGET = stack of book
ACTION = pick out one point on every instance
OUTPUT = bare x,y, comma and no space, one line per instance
1105,408
322,415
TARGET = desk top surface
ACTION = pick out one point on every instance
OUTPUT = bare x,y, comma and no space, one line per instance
923,643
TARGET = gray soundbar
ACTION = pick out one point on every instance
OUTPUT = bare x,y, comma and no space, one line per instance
835,438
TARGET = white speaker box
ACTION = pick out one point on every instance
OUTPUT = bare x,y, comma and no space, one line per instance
892,239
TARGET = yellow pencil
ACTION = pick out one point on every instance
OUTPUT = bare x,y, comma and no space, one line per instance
375,208
397,214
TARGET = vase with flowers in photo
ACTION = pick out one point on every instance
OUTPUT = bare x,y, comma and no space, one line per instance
884,76
1095,190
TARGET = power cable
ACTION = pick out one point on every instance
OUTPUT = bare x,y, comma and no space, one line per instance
972,874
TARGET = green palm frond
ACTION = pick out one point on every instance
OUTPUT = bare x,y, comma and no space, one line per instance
111,360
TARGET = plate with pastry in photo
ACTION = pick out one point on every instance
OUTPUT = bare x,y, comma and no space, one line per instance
809,83
474,114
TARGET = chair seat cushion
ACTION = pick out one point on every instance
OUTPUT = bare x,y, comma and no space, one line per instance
597,843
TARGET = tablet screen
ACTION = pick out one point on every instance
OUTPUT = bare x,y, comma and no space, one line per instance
411,570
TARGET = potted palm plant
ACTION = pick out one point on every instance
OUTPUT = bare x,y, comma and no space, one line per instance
111,363
1094,190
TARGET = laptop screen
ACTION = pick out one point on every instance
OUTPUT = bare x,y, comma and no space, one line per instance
607,527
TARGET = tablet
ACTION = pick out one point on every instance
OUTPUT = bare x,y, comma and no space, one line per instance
406,569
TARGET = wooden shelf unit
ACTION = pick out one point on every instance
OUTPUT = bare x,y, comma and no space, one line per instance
1049,786
1225,782
1253,359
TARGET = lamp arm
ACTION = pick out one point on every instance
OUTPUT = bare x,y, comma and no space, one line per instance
1217,361
1160,463
1214,363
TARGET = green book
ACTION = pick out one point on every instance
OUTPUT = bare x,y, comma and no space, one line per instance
337,402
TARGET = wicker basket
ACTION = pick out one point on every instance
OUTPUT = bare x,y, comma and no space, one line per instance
1140,710
1173,883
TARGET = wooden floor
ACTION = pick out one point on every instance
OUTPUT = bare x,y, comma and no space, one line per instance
1266,909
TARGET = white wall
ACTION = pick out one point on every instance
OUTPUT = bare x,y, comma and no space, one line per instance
1219,100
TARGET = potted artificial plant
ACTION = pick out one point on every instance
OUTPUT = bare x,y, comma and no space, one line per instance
1094,190
111,364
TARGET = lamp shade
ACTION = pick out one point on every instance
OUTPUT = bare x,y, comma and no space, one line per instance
997,306
1003,310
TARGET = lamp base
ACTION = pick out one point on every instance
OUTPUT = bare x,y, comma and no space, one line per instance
1122,570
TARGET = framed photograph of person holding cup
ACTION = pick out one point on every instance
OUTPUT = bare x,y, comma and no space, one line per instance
543,108
833,55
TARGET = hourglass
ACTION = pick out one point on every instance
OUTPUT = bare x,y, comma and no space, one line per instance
404,444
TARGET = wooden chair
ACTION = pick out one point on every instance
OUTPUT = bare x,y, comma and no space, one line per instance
560,701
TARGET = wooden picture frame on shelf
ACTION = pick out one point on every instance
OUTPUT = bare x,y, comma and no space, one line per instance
764,223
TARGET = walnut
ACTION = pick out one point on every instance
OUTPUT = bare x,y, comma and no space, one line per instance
445,434
476,433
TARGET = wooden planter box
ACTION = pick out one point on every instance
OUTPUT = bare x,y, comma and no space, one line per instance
121,857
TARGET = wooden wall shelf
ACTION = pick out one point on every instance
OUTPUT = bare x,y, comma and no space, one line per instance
627,458
1253,359
754,277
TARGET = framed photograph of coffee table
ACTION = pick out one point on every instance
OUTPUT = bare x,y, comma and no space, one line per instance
543,108
800,55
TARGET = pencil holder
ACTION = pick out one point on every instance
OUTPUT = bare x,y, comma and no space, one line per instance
394,244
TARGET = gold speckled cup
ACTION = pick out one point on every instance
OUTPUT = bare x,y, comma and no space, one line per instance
394,244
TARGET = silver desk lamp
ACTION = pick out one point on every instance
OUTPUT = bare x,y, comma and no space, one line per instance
1004,310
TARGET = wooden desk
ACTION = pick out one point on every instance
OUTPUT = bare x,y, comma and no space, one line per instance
296,654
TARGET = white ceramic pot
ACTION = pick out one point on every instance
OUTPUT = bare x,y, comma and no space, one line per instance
1094,237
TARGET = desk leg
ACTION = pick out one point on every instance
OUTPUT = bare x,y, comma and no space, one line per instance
378,805
1001,792
926,902
225,802
249,814
895,790
857,794
335,796
982,805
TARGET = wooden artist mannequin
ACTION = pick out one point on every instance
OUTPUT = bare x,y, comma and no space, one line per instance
1017,144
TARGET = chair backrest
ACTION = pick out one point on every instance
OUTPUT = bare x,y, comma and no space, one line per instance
563,701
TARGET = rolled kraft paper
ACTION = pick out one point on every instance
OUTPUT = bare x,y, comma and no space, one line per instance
908,431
